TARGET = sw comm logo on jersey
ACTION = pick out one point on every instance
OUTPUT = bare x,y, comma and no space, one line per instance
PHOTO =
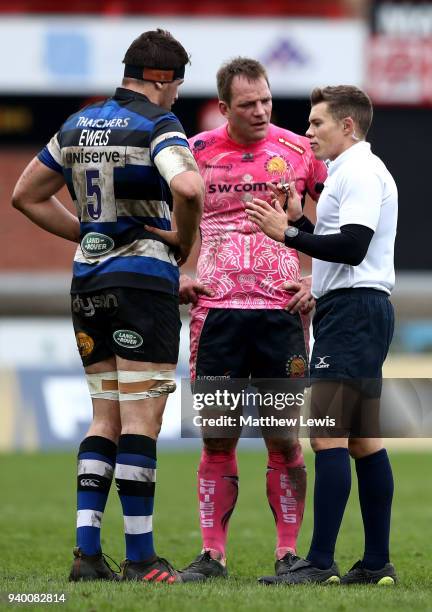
276,165
85,344
296,366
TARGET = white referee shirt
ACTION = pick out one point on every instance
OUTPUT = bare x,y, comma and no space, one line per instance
359,189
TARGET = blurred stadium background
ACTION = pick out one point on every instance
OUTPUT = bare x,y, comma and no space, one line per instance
55,58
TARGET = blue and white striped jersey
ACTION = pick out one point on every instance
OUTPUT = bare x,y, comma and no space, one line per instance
118,157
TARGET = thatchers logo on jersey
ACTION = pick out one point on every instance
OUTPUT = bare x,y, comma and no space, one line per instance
94,244
127,338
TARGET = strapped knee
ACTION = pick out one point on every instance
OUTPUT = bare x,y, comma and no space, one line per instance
145,385
103,385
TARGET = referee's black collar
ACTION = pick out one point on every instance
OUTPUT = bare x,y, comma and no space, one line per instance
122,93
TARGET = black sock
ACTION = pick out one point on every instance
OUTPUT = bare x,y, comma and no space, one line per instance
375,484
332,489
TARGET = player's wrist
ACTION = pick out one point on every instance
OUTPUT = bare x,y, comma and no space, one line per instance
185,242
295,217
297,221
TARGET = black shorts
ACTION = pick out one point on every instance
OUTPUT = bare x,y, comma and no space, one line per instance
353,329
239,343
134,324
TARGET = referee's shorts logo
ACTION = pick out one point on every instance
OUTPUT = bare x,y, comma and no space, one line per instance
322,363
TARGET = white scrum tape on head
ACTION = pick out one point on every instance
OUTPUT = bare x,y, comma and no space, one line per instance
103,385
145,385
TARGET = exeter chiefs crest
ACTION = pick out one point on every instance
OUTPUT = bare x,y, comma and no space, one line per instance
276,165
296,366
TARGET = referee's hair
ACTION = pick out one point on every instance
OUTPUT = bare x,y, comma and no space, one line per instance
346,101
239,66
156,49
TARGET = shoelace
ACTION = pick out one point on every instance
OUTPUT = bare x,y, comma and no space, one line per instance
195,564
105,557
168,564
289,558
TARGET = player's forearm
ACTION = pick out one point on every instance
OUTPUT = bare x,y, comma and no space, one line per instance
188,206
348,247
188,216
51,216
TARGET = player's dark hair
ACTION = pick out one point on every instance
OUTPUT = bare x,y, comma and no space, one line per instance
156,49
346,101
239,66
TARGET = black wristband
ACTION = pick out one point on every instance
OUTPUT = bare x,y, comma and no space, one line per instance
303,224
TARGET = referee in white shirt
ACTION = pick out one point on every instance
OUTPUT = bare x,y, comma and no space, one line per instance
352,246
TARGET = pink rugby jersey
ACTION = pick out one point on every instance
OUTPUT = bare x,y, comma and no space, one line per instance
243,267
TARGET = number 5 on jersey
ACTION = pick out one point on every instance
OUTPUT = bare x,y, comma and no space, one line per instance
93,193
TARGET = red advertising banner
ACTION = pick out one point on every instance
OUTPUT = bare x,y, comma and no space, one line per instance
400,70
399,67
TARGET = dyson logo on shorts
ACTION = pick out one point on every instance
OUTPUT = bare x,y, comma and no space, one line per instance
88,305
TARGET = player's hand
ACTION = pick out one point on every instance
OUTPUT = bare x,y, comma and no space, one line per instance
302,300
190,290
288,198
272,221
172,238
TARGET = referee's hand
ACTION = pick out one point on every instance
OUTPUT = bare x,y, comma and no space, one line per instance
272,221
288,198
302,301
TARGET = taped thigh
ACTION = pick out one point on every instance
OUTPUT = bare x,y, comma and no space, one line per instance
145,385
103,385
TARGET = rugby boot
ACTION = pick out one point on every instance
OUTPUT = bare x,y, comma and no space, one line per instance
386,576
303,572
283,566
156,570
91,567
208,567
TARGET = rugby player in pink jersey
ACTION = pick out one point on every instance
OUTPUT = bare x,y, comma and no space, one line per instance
248,300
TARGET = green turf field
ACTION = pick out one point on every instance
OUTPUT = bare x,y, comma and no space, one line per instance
37,518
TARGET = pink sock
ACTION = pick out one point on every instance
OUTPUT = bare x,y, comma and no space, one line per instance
286,490
217,494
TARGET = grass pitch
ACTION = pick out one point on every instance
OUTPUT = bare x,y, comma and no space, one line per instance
37,516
